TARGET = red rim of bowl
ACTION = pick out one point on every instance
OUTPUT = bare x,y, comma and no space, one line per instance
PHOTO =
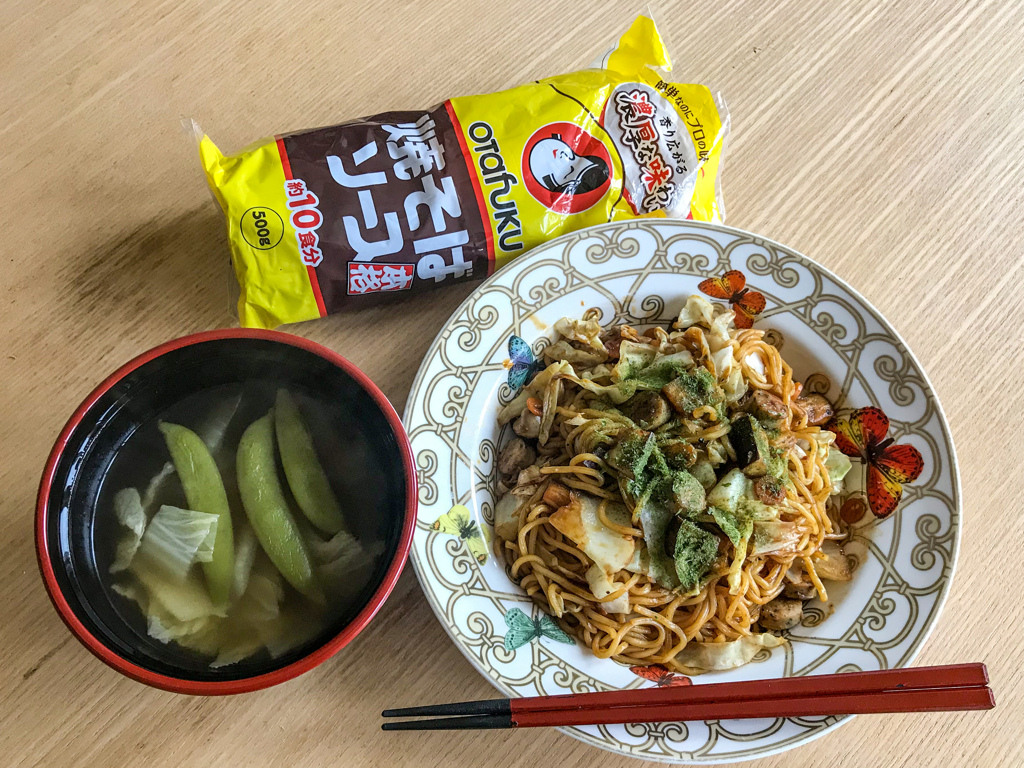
296,668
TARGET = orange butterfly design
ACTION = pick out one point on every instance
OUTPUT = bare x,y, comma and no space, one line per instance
661,676
889,466
732,287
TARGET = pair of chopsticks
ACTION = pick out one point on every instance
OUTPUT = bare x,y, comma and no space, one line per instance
921,689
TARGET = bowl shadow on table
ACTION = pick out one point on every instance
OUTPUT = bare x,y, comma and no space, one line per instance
405,658
166,277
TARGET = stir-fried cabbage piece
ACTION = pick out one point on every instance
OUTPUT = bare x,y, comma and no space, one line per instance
633,358
718,331
639,370
580,522
698,658
506,516
584,331
601,585
700,311
774,536
696,311
734,494
563,350
535,388
838,465
655,517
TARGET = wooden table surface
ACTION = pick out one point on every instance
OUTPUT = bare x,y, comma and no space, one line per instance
883,139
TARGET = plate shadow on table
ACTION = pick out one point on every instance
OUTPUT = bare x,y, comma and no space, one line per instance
405,658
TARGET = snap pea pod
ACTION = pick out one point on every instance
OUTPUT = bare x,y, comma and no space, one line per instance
204,491
267,510
306,476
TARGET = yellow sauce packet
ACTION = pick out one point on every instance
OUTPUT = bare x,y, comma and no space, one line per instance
333,218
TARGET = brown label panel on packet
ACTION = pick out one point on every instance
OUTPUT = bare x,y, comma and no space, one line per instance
384,203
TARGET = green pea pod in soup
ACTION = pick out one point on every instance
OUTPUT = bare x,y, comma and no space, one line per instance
306,476
267,509
204,491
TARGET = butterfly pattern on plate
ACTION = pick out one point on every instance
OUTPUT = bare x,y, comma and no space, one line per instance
661,676
458,521
522,630
889,466
732,287
522,363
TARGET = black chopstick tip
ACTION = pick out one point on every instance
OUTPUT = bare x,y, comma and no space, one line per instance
485,707
465,723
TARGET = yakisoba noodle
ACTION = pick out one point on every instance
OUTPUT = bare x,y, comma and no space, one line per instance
574,420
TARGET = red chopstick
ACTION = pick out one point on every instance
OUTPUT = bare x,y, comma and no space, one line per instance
920,689
941,700
948,676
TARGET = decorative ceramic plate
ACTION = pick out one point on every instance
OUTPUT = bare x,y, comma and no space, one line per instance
641,273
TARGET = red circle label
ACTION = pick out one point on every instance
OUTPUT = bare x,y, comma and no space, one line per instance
565,168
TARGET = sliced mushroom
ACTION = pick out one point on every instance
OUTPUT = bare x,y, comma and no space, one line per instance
818,409
574,352
527,425
802,591
679,455
516,455
799,589
648,409
612,346
781,613
835,566
763,405
693,389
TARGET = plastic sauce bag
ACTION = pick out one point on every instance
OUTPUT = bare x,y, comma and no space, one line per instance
334,218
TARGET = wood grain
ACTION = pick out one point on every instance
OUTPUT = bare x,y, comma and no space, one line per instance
883,139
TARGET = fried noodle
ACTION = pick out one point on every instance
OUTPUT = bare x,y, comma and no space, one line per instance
660,622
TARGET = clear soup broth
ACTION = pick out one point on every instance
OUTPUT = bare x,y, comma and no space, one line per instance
161,583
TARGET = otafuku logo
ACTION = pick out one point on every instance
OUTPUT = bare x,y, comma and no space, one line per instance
565,168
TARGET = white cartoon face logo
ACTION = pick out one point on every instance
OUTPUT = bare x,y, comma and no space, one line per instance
559,169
